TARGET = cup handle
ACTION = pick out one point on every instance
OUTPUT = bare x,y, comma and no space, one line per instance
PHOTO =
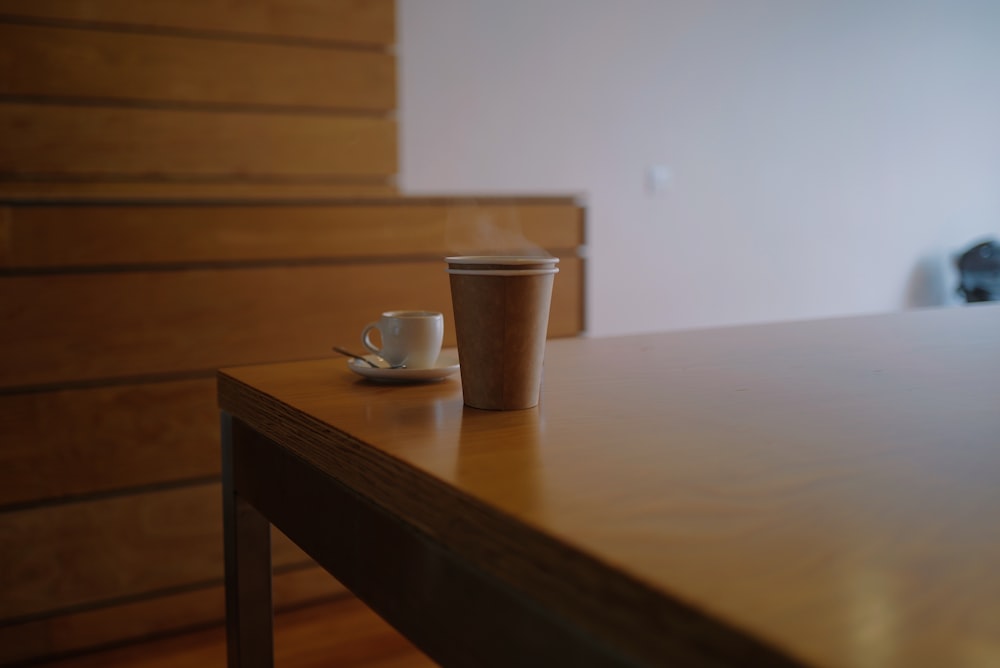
366,338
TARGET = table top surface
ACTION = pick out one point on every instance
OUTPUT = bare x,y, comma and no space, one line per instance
830,488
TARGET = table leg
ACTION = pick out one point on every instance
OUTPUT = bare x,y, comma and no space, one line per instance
249,613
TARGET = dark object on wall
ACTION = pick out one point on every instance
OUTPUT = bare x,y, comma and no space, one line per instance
979,272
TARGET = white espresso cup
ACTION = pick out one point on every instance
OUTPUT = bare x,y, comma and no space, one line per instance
410,338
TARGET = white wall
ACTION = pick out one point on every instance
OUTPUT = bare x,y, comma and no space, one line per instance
827,156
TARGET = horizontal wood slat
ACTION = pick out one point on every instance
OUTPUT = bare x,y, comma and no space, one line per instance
63,328
106,438
101,142
102,236
89,64
172,612
5,224
364,22
167,191
92,551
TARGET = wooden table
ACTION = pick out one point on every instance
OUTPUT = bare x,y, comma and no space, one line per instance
822,493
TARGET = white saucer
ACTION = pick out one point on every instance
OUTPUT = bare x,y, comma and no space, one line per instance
447,364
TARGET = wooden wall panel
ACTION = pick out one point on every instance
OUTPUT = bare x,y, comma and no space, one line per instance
90,64
54,191
566,316
171,612
61,556
98,142
364,22
213,143
5,231
132,435
46,237
107,325
96,563
106,438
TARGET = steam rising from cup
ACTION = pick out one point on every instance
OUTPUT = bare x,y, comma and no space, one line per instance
471,229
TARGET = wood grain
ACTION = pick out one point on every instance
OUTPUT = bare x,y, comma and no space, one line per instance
102,626
441,602
343,630
5,250
248,572
163,191
68,328
825,488
371,22
104,236
100,142
96,551
94,65
90,440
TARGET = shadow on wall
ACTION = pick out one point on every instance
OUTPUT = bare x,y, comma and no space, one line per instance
932,283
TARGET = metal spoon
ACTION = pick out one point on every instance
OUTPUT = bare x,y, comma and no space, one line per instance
348,353
367,361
